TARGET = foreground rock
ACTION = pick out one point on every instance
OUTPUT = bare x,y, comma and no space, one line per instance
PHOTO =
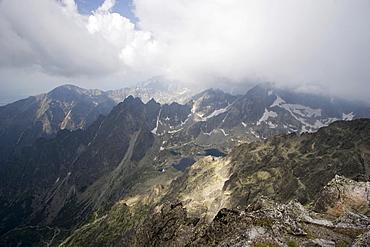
264,222
342,195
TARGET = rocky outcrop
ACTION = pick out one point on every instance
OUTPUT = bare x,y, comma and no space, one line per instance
264,222
269,223
363,240
342,195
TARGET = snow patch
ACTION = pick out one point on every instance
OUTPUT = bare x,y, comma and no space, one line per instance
277,102
185,91
186,120
266,115
272,126
303,111
253,133
306,115
208,134
214,113
193,109
296,109
348,116
174,131
154,131
224,132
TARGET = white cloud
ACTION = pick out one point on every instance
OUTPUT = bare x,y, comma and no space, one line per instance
215,42
107,6
290,42
56,42
54,37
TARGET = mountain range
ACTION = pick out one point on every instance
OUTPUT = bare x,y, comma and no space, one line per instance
70,107
75,164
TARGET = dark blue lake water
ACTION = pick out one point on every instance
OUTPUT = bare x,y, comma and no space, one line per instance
213,152
184,162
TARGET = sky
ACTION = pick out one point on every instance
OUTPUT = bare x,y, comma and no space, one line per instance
309,45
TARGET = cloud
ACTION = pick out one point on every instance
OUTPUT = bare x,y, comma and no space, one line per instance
107,6
53,37
289,42
227,44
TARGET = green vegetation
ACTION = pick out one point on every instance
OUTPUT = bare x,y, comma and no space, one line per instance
266,244
292,244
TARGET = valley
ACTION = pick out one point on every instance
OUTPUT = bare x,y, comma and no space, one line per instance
143,173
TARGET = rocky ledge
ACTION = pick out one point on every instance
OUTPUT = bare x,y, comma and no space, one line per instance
266,222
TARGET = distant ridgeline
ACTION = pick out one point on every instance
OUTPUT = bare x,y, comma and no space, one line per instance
111,171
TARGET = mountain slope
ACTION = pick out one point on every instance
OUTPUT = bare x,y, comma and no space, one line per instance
65,107
220,121
222,201
62,179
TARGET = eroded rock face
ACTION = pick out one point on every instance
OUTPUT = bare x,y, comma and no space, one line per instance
169,227
342,195
268,222
363,241
264,222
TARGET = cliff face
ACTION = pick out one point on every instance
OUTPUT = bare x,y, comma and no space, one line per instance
282,191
